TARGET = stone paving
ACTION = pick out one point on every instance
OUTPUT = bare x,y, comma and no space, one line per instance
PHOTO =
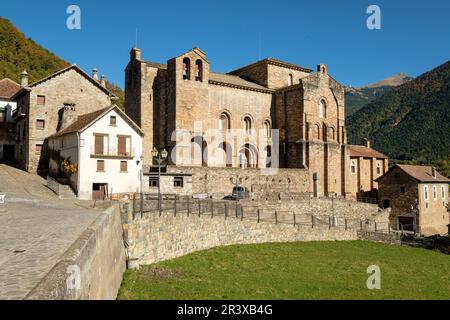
36,228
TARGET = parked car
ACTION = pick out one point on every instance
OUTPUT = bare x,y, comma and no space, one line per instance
240,193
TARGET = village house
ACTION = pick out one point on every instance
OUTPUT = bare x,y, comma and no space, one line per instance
418,198
366,165
40,106
106,148
7,127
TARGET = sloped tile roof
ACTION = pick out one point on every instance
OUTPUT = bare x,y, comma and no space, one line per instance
363,151
423,173
8,88
235,81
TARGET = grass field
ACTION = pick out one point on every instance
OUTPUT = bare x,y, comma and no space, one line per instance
303,270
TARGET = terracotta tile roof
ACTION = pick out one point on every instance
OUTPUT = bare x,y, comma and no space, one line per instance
363,151
234,81
8,88
85,120
156,65
82,121
423,173
275,62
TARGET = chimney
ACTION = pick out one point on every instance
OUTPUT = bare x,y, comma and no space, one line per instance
68,116
135,54
24,79
434,172
95,74
366,142
103,81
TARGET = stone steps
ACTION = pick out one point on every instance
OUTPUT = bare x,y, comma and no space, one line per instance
66,192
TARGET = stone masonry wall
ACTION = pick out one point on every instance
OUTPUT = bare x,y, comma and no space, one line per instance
99,254
153,238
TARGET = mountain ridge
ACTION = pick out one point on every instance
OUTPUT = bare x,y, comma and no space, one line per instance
18,53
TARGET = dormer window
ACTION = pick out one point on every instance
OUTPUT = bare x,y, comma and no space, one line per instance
186,69
199,70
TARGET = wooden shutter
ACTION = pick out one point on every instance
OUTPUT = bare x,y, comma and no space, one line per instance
100,165
99,144
41,100
122,145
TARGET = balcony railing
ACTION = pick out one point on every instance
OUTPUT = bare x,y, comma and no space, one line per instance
112,153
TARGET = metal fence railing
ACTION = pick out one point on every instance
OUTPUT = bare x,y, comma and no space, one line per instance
149,204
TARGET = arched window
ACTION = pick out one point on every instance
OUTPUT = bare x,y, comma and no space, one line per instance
331,134
186,69
291,79
316,134
199,70
247,125
224,122
323,109
267,129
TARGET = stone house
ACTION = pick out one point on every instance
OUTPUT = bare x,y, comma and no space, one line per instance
366,165
40,106
417,196
106,147
7,128
269,114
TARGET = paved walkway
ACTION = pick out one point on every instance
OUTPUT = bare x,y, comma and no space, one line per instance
36,228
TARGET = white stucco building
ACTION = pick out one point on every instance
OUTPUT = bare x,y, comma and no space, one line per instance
106,146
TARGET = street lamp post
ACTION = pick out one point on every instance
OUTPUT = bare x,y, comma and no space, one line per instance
160,157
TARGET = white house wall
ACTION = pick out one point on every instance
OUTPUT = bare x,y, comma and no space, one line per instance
117,181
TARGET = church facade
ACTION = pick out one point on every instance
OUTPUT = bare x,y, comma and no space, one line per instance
270,114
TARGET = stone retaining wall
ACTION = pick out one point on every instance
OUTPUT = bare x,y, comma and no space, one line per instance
98,257
155,238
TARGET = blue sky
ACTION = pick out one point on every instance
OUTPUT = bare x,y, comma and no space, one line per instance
414,38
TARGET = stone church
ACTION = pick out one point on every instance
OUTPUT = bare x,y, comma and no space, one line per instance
269,114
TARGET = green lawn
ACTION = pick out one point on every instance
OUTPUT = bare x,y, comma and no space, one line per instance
302,270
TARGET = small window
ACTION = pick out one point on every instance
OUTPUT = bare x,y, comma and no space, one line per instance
323,109
178,182
402,189
199,70
123,166
186,69
40,100
247,125
427,205
267,129
443,192
378,169
426,193
39,148
100,165
154,182
40,124
291,79
112,121
353,167
435,194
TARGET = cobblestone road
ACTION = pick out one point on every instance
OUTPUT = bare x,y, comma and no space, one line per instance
36,228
